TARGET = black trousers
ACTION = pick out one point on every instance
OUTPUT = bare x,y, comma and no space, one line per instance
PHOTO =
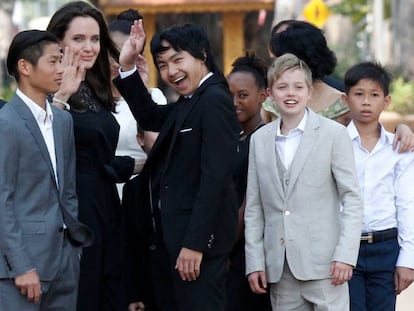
207,293
239,295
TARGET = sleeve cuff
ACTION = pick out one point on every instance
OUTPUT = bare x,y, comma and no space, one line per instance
125,74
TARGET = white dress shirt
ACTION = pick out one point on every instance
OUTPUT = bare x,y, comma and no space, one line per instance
127,139
286,145
385,179
127,142
44,119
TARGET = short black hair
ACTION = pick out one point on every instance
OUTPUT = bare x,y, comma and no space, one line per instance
188,37
307,42
28,45
124,21
373,71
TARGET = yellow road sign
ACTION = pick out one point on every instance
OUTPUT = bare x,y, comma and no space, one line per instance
316,12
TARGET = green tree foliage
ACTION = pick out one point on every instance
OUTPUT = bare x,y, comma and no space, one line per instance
402,96
358,9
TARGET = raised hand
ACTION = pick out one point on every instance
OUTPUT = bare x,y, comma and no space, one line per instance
73,74
143,69
132,47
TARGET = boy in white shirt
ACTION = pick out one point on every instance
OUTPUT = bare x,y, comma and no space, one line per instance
386,257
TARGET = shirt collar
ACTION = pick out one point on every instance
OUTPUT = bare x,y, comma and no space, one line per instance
39,114
300,128
201,82
205,78
385,137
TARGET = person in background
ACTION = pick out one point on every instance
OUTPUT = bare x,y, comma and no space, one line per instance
248,86
308,42
385,264
301,169
40,235
140,288
86,92
191,166
283,25
127,145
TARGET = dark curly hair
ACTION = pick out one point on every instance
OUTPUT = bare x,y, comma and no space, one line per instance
307,42
279,27
254,65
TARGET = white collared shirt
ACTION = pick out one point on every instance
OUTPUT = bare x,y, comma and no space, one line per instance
286,145
44,119
385,180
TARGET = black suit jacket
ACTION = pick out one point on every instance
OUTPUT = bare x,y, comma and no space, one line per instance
196,148
2,102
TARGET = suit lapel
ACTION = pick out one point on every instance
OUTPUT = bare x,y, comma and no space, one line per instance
33,128
305,147
184,108
270,152
178,116
57,135
161,139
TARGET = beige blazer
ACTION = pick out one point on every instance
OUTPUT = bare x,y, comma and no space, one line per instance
305,222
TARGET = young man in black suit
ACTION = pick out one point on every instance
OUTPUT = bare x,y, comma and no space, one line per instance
190,168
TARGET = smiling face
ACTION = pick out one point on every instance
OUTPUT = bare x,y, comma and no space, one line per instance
291,93
181,70
366,100
82,36
247,96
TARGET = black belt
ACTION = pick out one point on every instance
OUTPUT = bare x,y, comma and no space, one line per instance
379,236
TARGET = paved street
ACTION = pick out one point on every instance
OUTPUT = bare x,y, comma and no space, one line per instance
405,301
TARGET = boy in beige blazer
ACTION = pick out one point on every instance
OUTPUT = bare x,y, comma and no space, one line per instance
301,169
